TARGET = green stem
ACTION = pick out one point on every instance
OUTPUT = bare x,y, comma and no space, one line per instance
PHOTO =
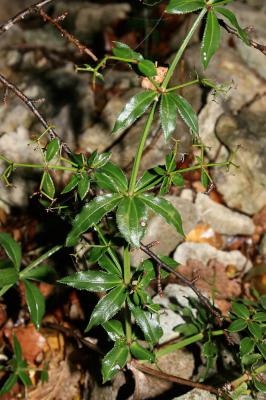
127,280
247,376
109,249
140,149
43,166
186,342
182,48
182,86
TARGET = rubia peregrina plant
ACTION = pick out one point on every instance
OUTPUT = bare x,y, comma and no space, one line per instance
102,189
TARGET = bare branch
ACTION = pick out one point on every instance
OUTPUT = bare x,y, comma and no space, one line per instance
186,281
30,104
23,14
258,46
72,39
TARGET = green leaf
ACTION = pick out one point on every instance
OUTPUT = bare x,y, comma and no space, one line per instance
249,359
12,249
24,378
114,361
147,68
114,329
91,214
163,207
260,317
124,51
148,323
246,345
187,113
17,349
187,329
184,6
73,182
262,349
112,178
8,276
83,186
204,178
99,160
261,387
232,19
168,113
240,310
237,325
52,149
108,264
95,281
178,179
136,107
140,353
9,384
255,329
131,219
25,273
48,185
209,349
149,179
44,273
35,302
211,39
107,307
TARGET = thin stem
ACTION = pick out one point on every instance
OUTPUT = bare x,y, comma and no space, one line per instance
186,342
182,48
42,166
247,376
109,249
127,280
135,169
182,86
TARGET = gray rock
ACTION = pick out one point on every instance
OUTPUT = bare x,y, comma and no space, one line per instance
168,237
168,318
196,394
263,246
221,218
203,252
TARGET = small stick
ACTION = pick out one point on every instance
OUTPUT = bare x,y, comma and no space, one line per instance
30,104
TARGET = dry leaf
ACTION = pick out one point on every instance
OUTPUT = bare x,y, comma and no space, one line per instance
204,233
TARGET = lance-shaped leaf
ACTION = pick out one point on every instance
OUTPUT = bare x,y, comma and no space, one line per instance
8,276
141,353
83,186
95,281
168,111
184,6
230,16
91,214
124,51
98,160
73,182
9,384
114,329
52,149
109,265
147,68
148,323
131,217
48,185
163,207
35,302
114,361
12,249
187,113
211,38
134,109
112,178
107,307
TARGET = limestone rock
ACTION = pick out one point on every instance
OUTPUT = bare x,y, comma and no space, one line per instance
196,394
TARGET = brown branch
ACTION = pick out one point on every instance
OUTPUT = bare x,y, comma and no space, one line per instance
72,39
23,14
171,378
30,104
187,282
252,43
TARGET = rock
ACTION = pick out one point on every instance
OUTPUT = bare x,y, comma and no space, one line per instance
263,246
221,218
196,394
168,318
250,17
244,188
168,237
204,253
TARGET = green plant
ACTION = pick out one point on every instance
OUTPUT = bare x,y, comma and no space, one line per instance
100,187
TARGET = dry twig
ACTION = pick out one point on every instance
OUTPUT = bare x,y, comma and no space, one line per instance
30,104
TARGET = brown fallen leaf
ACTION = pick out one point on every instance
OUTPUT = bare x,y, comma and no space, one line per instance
204,233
